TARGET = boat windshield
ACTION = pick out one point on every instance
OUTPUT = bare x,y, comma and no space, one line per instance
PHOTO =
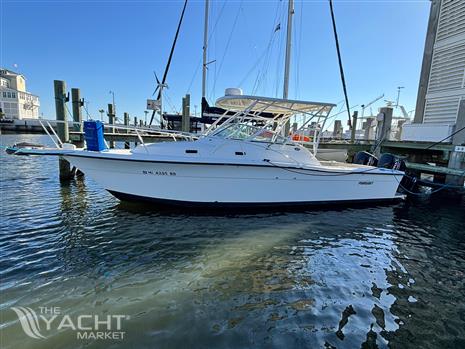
253,133
236,131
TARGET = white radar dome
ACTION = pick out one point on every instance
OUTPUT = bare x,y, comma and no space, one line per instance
233,91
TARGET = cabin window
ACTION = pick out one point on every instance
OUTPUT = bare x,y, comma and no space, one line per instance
191,151
240,153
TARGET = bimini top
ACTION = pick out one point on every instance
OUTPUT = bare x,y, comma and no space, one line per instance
278,106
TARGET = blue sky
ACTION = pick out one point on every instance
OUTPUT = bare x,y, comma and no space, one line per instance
100,46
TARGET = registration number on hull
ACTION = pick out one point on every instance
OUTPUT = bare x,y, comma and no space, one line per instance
159,173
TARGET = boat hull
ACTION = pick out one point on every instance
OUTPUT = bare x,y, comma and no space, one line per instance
200,184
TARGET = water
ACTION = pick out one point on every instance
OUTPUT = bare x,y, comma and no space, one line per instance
381,276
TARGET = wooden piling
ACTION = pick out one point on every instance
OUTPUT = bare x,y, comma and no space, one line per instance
354,127
294,127
337,132
398,134
77,103
383,129
369,134
185,121
457,159
135,124
126,123
62,127
111,121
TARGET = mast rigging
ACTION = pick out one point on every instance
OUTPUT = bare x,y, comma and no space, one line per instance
162,84
341,69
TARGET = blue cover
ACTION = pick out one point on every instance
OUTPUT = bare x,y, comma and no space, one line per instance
93,134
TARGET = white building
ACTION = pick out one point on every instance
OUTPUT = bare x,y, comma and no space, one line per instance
15,101
441,94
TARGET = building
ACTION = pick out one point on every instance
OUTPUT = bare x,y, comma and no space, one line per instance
440,108
15,101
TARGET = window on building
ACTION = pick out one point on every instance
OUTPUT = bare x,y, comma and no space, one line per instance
10,110
4,94
8,94
13,94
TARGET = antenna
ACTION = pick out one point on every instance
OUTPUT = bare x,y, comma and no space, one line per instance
364,106
398,94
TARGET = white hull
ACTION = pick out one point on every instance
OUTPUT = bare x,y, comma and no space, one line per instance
230,184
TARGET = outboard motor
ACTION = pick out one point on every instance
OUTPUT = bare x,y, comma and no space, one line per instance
408,182
391,161
365,158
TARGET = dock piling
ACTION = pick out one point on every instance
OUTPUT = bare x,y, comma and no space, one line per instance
185,121
126,123
337,132
457,159
354,127
62,127
77,103
135,124
111,121
383,129
369,129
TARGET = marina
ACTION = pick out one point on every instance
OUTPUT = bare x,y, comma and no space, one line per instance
286,209
235,279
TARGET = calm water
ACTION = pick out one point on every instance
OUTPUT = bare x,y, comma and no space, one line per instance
383,276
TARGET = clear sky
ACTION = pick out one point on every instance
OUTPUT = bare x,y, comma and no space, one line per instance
100,46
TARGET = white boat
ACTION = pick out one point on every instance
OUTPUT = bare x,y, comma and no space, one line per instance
243,161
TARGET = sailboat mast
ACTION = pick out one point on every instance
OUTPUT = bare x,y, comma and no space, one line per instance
288,49
205,42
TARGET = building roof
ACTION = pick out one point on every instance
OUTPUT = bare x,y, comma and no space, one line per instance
4,71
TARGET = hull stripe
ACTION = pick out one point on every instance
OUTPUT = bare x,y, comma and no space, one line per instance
370,171
218,205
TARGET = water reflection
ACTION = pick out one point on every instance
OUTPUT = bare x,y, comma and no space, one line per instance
372,277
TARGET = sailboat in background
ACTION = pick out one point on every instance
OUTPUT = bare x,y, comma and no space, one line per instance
214,112
309,135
